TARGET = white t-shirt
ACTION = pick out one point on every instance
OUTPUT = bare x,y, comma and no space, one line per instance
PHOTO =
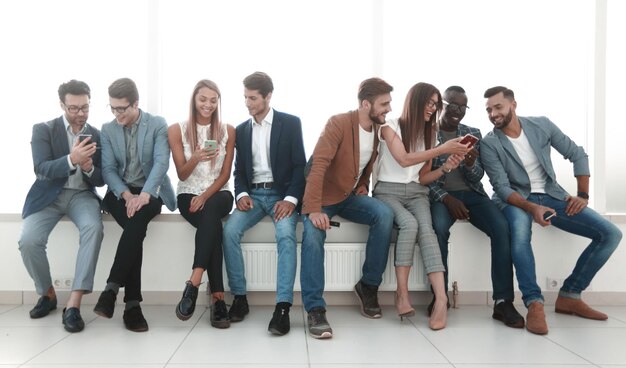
388,168
535,171
366,148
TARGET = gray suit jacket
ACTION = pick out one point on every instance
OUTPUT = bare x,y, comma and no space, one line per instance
50,149
154,156
506,171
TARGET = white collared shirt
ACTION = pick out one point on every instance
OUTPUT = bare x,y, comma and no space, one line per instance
261,165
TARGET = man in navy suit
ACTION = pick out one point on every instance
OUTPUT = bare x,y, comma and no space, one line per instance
517,158
66,157
135,159
269,180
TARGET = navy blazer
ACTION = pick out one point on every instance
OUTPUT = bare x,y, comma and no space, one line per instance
154,157
287,156
50,150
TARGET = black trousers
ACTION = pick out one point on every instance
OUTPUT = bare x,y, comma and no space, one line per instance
126,268
208,223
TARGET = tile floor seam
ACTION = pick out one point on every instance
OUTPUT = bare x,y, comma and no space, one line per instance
186,336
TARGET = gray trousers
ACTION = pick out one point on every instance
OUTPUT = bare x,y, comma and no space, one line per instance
83,208
411,208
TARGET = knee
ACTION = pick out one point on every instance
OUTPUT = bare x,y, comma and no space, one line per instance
30,242
385,215
231,232
408,224
93,227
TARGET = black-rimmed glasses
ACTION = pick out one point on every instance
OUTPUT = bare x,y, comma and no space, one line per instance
73,109
119,109
453,107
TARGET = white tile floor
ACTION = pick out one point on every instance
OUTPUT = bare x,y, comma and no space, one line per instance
471,340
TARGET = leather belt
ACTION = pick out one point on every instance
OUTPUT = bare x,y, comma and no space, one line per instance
266,185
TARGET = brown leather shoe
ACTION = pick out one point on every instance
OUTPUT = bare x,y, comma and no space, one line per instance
536,319
578,308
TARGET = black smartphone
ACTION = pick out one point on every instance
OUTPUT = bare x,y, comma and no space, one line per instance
82,137
548,215
335,223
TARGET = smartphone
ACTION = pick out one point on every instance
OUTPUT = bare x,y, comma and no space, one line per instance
335,223
209,145
548,215
468,138
82,137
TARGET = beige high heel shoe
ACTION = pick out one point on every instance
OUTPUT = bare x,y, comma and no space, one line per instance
403,314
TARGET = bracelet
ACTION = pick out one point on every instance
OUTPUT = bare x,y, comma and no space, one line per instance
445,171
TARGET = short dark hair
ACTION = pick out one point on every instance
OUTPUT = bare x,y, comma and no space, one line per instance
372,87
124,88
457,89
259,81
74,87
505,91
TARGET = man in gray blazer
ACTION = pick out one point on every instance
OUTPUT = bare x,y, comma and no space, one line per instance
66,157
516,157
135,159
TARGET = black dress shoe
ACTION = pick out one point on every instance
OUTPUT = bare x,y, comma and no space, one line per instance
279,325
506,312
106,304
72,321
187,305
239,308
43,307
134,320
429,309
219,315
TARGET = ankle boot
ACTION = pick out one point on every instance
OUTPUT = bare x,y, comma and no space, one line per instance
187,305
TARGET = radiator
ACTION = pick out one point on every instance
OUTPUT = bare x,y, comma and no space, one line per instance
343,264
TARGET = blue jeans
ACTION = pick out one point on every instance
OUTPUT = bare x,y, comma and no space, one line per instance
485,216
240,221
356,208
604,239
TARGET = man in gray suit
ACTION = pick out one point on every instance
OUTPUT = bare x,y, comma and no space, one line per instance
135,159
66,157
516,157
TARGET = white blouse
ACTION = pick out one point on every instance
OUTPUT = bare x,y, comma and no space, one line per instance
205,173
389,169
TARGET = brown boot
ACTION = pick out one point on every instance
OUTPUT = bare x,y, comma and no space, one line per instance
536,319
578,308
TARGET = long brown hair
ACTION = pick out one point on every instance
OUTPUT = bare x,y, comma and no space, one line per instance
413,127
215,132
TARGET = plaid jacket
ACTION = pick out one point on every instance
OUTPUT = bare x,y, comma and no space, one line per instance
472,176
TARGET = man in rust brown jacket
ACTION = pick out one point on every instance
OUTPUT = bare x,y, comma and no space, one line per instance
337,184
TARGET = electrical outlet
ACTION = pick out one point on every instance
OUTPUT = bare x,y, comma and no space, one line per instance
62,283
553,283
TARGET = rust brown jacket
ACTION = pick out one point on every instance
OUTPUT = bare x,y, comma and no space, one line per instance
335,166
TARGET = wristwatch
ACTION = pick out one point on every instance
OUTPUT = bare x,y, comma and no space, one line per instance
583,195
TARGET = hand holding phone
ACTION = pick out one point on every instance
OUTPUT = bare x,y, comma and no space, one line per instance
334,223
468,138
548,215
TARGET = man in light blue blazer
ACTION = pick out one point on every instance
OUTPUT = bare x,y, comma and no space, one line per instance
516,157
135,159
66,158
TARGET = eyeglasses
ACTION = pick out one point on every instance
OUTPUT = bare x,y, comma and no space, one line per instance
456,107
432,104
119,109
73,109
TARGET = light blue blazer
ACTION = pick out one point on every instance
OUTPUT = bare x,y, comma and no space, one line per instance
506,171
154,156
